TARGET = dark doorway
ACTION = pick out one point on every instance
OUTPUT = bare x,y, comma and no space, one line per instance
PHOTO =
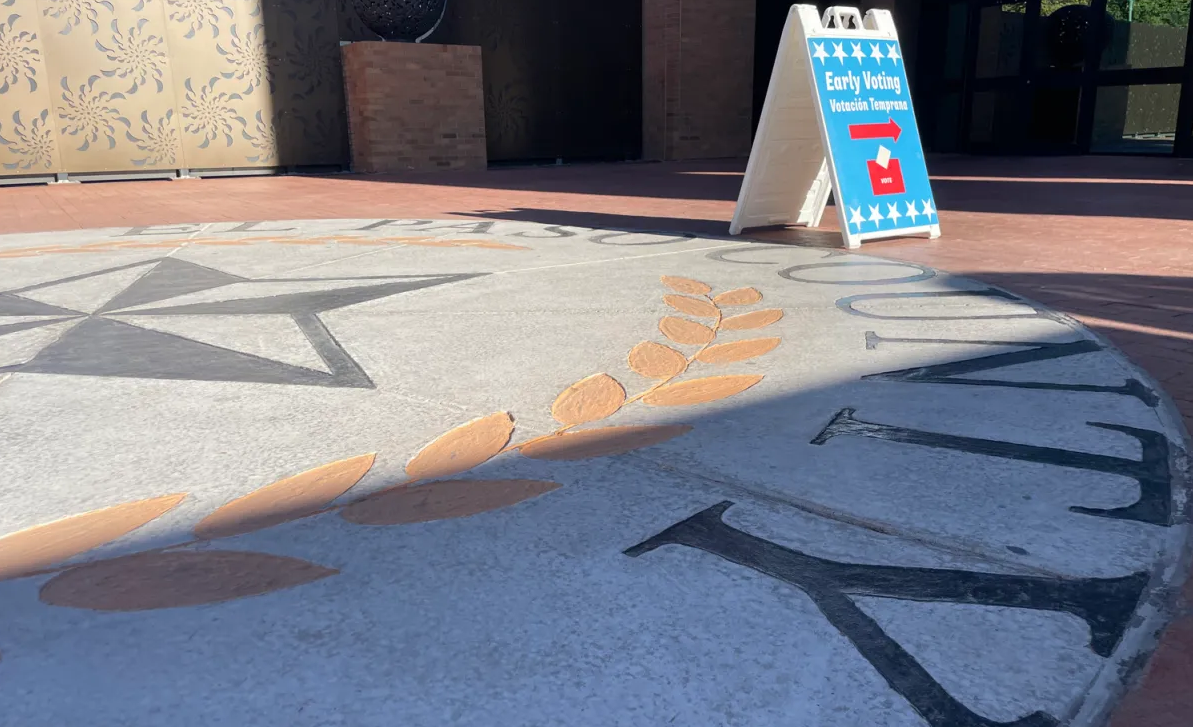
769,17
1058,76
563,80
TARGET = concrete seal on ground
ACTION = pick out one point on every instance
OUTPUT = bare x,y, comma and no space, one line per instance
506,473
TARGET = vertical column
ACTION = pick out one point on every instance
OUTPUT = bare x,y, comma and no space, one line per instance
414,107
698,65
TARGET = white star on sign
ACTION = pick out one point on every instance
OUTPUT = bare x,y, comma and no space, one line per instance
893,54
876,216
855,217
876,53
858,53
838,52
819,54
892,213
912,212
928,210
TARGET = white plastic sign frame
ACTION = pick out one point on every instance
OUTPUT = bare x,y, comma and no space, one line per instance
791,170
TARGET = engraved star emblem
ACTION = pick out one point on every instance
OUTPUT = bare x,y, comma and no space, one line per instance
819,53
172,319
876,53
838,52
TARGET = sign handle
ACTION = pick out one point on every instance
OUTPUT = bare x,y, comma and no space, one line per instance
840,17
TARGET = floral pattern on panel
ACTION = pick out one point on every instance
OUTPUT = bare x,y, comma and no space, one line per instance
505,112
209,114
199,14
88,113
251,57
73,12
17,55
32,144
288,9
139,56
321,129
267,87
159,141
264,139
351,26
314,62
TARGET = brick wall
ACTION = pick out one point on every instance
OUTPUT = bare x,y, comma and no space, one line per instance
698,65
414,106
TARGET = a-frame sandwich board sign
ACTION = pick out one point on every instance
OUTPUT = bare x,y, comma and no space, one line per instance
838,116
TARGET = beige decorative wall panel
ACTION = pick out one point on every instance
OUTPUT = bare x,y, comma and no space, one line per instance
352,28
129,85
310,81
112,84
28,143
224,68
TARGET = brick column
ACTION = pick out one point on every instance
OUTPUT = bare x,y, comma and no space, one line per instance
414,106
697,86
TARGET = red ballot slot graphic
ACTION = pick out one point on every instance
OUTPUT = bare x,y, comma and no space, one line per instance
886,176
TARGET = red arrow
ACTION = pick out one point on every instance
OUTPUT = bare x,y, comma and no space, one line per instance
886,130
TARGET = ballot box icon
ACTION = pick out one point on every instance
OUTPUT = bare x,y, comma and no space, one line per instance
886,176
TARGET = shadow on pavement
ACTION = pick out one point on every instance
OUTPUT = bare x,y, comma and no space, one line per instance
854,499
1151,188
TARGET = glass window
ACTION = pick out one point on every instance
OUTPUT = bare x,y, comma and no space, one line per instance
1145,33
1054,115
954,49
1136,119
994,118
948,124
1060,44
1000,40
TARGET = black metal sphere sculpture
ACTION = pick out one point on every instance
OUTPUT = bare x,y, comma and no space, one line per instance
403,20
1065,31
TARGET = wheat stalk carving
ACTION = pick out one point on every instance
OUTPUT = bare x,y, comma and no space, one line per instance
173,575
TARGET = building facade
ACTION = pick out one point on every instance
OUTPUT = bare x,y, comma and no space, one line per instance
156,87
1042,76
1056,76
1034,77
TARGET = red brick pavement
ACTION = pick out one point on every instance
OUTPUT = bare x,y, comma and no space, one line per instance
1108,240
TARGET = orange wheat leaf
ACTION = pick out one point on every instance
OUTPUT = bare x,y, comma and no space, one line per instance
603,442
686,285
753,319
681,330
462,448
147,581
700,391
289,499
442,500
737,350
33,549
588,400
656,361
741,296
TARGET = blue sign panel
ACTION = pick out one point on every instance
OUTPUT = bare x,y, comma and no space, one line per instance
872,135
